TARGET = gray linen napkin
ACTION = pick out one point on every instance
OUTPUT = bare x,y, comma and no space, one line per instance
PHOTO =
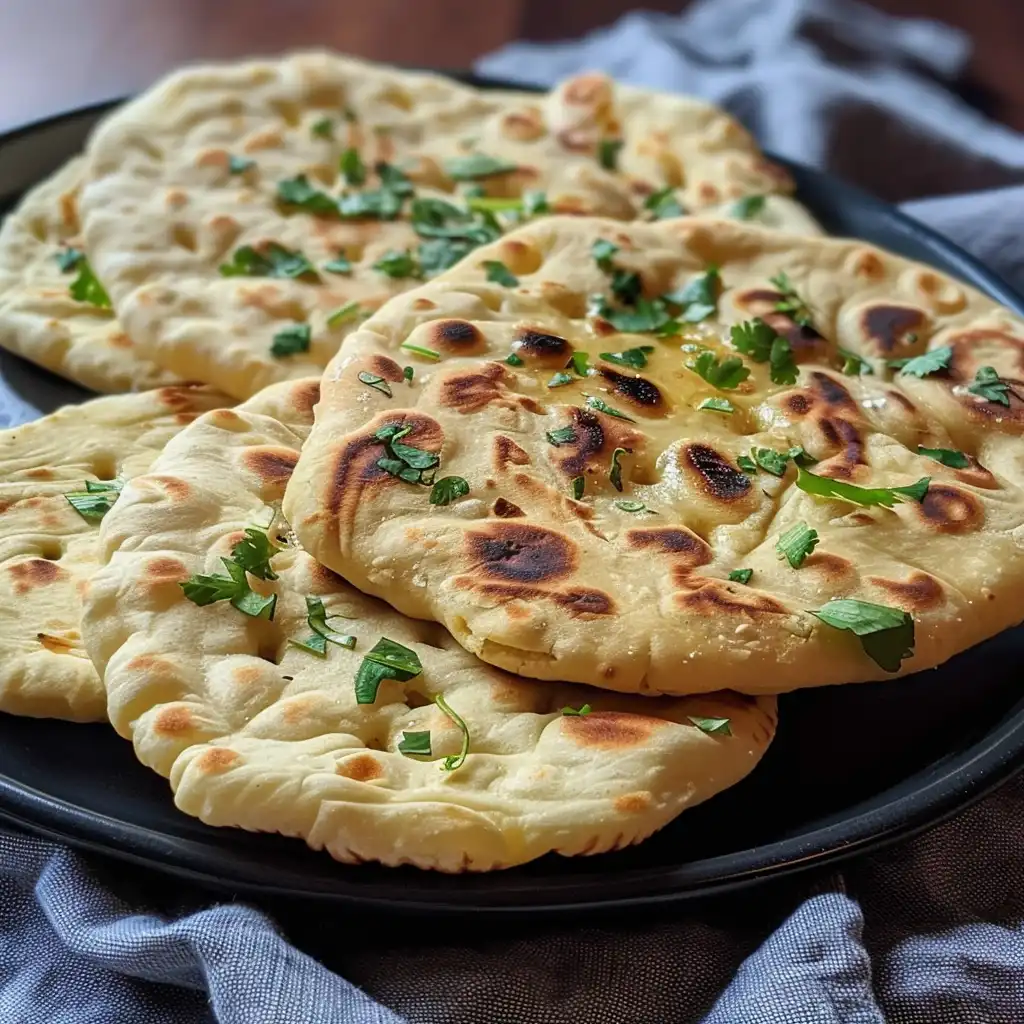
927,933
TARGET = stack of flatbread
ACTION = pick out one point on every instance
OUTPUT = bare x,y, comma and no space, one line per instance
565,441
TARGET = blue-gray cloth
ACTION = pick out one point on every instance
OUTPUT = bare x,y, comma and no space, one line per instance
928,933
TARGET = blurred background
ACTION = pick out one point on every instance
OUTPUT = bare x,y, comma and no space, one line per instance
59,54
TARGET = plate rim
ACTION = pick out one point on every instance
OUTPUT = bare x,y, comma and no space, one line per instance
989,762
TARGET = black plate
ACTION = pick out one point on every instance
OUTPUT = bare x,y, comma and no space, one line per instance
852,767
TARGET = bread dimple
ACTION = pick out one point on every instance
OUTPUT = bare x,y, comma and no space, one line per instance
593,468
167,205
256,732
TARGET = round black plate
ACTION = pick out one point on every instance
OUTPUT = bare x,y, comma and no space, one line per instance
852,767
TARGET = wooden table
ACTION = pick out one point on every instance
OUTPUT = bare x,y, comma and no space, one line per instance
60,54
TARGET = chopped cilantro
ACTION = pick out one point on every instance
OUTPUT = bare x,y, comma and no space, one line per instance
726,375
454,761
853,364
634,506
352,168
68,259
711,726
886,634
747,208
717,405
616,471
563,435
291,340
824,487
935,361
663,204
239,164
602,406
343,314
299,192
580,712
699,299
275,261
387,659
760,342
476,166
421,350
96,500
415,744
560,379
87,288
500,274
741,576
576,487
378,383
448,489
796,544
398,264
947,456
634,358
791,304
987,385
608,153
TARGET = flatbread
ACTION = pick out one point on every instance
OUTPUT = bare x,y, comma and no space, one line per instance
537,582
255,732
163,210
39,320
47,549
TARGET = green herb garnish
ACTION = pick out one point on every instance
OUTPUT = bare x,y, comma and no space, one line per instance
699,298
796,544
378,383
634,358
298,192
500,274
571,712
602,406
408,373
741,576
454,761
448,489
252,554
634,506
96,500
415,744
717,405
513,360
316,616
352,167
291,340
385,660
770,460
87,288
407,462
322,129
576,487
747,464
341,315
853,364
663,204
608,153
886,634
476,166
68,259
564,435
921,366
580,362
560,379
747,208
277,261
791,304
987,385
239,164
947,456
341,264
763,344
726,375
602,250
824,487
616,471
420,350
398,264
711,726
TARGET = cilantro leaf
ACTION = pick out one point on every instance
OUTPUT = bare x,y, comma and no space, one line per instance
387,659
791,304
663,204
96,500
711,726
500,274
239,164
747,208
717,405
886,634
454,761
935,361
760,342
352,167
341,264
987,385
947,456
576,487
602,250
726,375
322,128
513,360
276,261
747,464
316,617
291,340
699,298
436,218
378,383
560,379
580,362
251,554
741,576
626,286
580,712
602,406
616,471
824,487
415,744
254,552
608,153
405,461
87,288
535,202
648,315
68,259
448,489
796,544
298,192
476,166
771,461
564,435
853,364
634,358
398,264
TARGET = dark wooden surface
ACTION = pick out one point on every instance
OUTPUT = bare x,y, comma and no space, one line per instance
59,54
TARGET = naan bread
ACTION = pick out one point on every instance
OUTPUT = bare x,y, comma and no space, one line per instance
539,583
169,203
255,732
47,549
39,319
